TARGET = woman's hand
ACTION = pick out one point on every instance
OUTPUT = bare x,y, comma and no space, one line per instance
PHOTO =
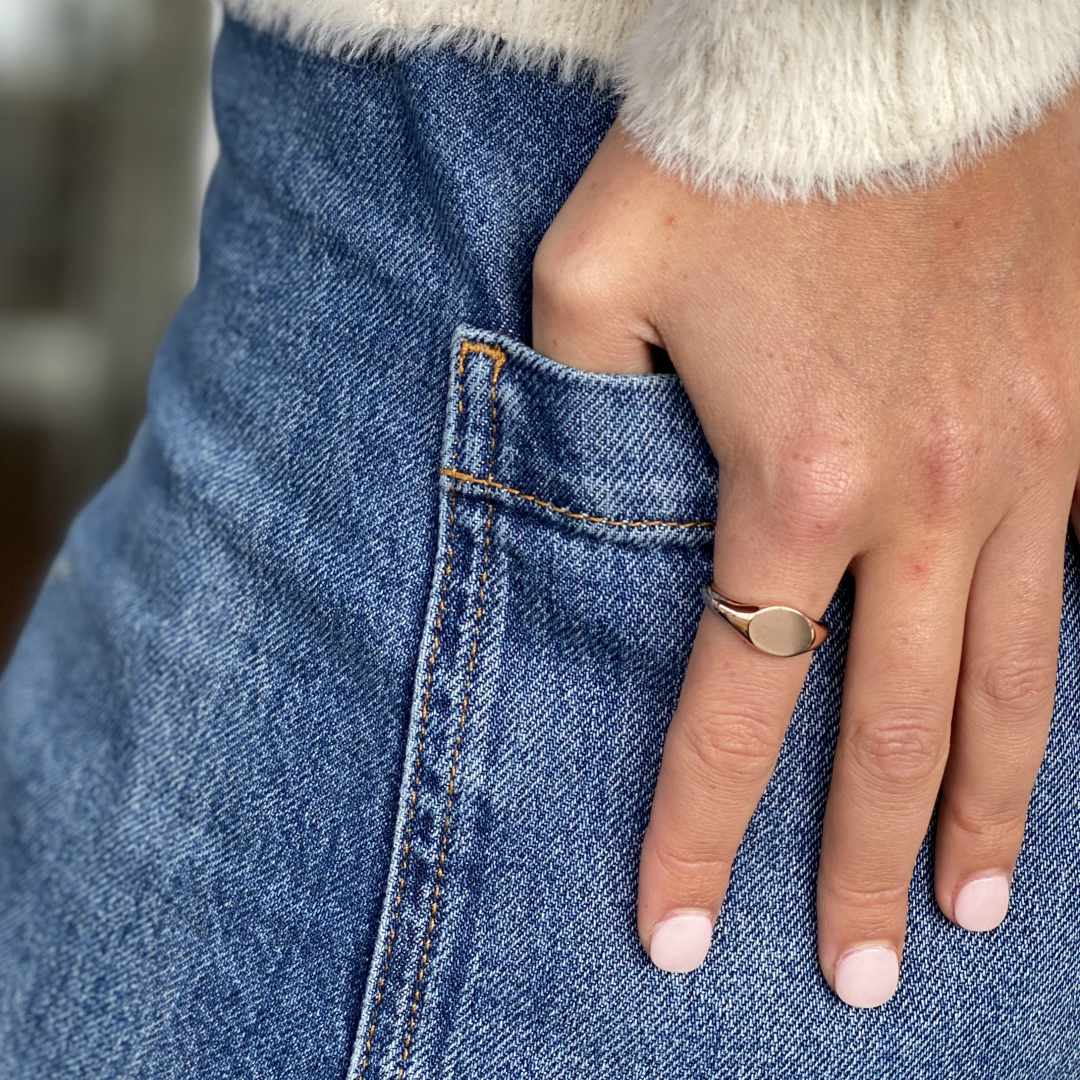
891,384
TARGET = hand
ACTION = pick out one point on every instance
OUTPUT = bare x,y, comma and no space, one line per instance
890,384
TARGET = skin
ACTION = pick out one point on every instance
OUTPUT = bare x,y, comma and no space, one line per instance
890,384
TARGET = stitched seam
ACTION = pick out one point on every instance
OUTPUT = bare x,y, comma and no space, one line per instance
421,742
577,515
498,358
414,791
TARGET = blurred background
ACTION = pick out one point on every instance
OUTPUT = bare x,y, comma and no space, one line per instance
106,150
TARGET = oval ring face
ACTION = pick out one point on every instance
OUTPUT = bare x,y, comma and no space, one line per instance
781,631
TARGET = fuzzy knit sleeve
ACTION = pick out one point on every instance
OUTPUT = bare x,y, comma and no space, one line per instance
799,98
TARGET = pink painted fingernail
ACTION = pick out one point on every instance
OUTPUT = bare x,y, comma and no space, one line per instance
680,940
982,903
867,977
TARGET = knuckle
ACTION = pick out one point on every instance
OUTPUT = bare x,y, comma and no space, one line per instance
986,825
946,460
545,271
849,892
688,868
816,488
1037,411
1019,683
903,749
1050,419
569,282
738,746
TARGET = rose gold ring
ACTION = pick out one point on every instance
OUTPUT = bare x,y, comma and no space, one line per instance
775,629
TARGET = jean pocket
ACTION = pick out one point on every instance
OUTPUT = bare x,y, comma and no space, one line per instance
592,450
575,526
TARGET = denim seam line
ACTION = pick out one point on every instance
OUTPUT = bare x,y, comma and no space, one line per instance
466,478
498,359
406,843
414,789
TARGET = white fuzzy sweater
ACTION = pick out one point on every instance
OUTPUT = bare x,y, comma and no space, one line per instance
773,98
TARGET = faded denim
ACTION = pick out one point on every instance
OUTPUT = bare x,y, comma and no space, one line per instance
329,746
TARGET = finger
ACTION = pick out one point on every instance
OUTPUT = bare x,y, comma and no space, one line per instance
588,306
723,740
1002,718
899,687
573,324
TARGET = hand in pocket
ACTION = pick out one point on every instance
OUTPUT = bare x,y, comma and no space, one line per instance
890,384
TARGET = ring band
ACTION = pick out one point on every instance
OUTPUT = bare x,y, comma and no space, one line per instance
776,629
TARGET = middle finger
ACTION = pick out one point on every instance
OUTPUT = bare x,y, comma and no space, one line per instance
900,683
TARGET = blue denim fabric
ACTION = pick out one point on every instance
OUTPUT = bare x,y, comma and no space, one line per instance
328,749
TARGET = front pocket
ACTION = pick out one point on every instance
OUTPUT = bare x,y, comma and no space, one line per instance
600,450
574,538
575,526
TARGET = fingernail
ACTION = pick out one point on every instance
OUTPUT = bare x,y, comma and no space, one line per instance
680,941
867,977
981,904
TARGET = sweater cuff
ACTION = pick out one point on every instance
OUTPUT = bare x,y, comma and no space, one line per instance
797,99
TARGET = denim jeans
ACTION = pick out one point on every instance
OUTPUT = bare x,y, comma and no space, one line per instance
329,746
